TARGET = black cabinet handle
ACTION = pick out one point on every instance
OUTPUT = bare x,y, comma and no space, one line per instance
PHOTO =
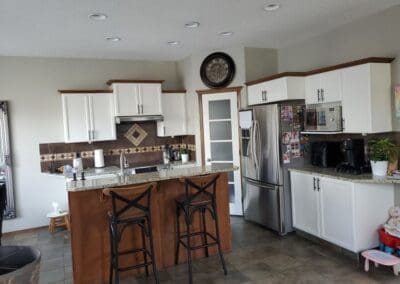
322,95
318,187
314,183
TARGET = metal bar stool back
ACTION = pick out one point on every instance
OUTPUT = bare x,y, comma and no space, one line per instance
200,196
131,205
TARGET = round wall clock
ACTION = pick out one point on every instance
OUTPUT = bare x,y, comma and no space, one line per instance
217,70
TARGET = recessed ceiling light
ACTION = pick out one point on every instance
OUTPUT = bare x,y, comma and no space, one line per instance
271,7
226,33
192,25
98,16
113,38
173,42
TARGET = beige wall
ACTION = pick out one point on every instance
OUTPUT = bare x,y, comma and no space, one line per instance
260,62
376,35
31,84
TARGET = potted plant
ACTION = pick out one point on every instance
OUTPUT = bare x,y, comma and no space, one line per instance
184,155
381,150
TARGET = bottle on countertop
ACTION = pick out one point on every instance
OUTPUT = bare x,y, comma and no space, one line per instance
77,162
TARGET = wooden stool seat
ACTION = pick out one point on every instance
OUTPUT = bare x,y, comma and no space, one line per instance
58,220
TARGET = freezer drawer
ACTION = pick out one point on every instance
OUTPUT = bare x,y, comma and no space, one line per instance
261,204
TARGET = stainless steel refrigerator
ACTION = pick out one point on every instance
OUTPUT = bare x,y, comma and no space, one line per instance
271,143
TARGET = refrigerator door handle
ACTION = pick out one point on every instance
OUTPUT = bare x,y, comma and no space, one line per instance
262,185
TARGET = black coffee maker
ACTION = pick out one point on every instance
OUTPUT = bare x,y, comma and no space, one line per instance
353,156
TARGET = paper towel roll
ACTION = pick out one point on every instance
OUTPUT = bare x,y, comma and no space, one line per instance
98,158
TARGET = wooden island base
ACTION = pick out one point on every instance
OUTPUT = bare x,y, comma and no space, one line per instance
90,242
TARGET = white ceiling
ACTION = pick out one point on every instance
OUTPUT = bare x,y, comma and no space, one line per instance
61,28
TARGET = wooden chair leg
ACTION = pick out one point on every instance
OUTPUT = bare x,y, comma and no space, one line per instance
67,223
51,225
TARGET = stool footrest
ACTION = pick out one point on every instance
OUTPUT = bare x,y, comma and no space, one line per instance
199,234
135,266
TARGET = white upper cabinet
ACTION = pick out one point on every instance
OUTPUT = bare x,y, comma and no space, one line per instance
76,117
174,111
323,87
126,99
366,102
102,120
281,89
88,117
150,99
137,99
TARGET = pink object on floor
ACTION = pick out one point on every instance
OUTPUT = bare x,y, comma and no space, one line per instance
380,257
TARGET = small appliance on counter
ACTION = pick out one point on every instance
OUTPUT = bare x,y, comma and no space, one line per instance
354,161
98,158
325,154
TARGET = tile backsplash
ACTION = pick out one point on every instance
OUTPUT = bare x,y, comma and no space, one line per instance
137,140
393,136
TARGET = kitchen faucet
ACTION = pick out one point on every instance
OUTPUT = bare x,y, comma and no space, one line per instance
123,163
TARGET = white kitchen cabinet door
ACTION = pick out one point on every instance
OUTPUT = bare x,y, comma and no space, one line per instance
331,86
312,86
275,90
305,203
255,95
126,99
102,120
323,87
76,117
366,102
150,99
174,112
337,212
281,89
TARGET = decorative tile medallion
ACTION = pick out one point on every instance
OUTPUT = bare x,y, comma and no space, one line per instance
135,134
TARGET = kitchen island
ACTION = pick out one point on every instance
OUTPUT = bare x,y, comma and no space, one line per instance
88,207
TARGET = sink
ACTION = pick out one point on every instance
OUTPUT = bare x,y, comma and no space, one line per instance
140,170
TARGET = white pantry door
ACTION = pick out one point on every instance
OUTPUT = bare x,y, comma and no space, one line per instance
221,140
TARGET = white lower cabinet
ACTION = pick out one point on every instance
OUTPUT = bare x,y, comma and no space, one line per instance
336,209
305,203
345,213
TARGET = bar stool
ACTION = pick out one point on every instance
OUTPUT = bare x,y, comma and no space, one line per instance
130,207
199,196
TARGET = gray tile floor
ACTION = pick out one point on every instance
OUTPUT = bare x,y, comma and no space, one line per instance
258,256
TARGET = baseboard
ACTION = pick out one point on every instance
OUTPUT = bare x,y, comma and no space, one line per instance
23,231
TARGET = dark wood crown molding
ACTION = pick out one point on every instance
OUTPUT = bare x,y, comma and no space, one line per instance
113,81
222,90
351,63
83,91
276,76
173,91
324,69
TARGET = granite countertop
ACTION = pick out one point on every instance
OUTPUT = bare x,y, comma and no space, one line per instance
92,172
332,173
163,174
